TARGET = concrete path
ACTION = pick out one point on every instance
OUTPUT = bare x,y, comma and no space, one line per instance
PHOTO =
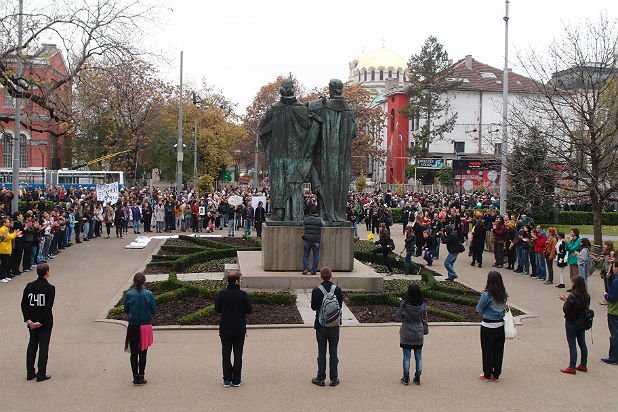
91,372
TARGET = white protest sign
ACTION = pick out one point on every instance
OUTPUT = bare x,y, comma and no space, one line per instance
108,193
257,199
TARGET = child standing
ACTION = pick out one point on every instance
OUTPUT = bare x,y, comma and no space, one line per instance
413,315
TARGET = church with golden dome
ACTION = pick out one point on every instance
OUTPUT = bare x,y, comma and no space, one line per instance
373,68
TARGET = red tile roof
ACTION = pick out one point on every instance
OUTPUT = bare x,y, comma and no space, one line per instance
478,78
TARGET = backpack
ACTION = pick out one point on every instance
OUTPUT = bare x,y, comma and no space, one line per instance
329,314
590,266
584,321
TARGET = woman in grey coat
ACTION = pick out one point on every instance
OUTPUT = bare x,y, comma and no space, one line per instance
413,315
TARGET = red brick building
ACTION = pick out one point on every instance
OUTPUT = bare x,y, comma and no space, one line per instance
397,137
43,143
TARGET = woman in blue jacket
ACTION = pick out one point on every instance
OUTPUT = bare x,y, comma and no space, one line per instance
491,307
139,304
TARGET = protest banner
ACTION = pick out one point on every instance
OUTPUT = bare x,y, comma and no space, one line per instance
108,193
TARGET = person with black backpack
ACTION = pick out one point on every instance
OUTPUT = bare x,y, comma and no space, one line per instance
327,301
576,308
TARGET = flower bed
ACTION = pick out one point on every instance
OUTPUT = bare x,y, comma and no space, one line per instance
192,303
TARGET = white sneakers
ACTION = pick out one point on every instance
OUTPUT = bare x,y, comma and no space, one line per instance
5,280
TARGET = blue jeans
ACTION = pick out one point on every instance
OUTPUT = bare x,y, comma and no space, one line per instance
159,226
523,258
582,273
248,226
540,265
408,262
418,359
448,264
330,337
428,256
436,250
355,224
231,227
612,323
136,223
573,334
315,247
68,234
86,230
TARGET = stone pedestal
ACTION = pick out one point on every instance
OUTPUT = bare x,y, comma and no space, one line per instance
282,248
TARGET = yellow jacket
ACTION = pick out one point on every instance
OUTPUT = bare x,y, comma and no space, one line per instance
6,246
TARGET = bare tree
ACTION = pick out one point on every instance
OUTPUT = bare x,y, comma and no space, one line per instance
82,29
575,108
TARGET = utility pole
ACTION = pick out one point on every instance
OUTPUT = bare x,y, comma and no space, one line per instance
505,113
17,131
255,171
179,152
196,100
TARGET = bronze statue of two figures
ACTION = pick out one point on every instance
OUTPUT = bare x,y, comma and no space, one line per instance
308,139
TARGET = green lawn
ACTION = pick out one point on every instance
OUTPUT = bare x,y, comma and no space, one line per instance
585,229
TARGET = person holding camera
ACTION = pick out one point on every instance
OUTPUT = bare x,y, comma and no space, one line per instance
454,248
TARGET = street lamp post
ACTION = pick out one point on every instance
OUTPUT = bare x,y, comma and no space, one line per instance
179,145
196,101
505,112
17,131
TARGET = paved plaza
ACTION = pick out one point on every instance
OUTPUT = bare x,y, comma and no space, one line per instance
91,372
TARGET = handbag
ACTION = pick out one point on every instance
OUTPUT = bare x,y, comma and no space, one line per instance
510,331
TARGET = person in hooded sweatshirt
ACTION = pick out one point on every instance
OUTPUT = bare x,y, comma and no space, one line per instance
413,315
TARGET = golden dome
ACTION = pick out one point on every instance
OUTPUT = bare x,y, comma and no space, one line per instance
381,57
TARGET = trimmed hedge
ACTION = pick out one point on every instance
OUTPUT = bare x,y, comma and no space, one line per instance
445,314
115,312
181,250
197,315
446,297
274,298
362,299
585,218
204,242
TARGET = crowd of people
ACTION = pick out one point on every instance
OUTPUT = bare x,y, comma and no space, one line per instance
56,218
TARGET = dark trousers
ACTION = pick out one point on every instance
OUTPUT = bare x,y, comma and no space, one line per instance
477,253
549,264
258,228
327,337
119,228
147,223
138,357
384,250
108,227
612,323
27,258
573,335
5,265
39,340
16,258
78,231
492,346
229,343
499,252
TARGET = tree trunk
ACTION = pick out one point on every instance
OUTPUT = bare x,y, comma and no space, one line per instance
597,209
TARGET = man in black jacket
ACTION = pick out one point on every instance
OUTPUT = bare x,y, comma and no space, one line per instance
453,246
233,304
36,307
313,232
326,335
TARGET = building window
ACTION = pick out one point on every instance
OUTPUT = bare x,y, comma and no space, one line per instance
9,101
397,74
498,149
460,147
373,75
390,74
365,76
381,74
7,150
359,76
392,120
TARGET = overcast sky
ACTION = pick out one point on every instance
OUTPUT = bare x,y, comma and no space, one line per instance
238,46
